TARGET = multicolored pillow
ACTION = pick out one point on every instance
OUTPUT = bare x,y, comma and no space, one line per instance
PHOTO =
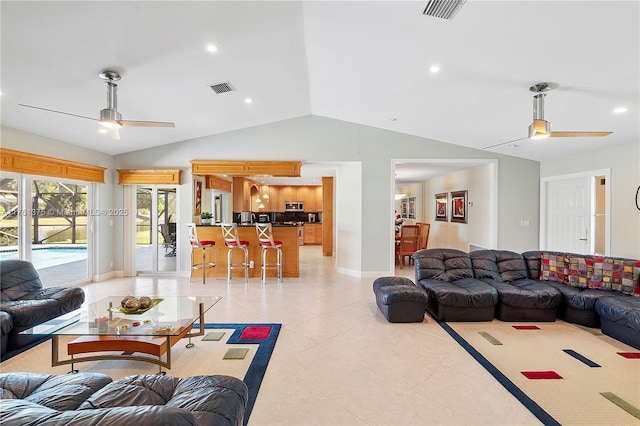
580,271
553,267
616,274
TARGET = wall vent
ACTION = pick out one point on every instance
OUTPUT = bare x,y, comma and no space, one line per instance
222,87
445,9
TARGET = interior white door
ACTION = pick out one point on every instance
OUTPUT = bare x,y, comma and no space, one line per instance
569,212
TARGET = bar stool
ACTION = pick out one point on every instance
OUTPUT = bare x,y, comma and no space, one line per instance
204,245
266,241
232,241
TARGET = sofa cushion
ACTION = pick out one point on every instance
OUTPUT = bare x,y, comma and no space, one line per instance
580,270
499,265
18,278
622,309
582,299
622,275
527,293
554,267
442,264
463,293
65,392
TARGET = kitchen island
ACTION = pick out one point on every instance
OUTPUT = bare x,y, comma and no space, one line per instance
288,234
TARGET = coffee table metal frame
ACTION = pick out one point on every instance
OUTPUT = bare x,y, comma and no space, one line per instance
157,344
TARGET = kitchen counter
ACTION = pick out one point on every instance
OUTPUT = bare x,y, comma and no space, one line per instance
288,234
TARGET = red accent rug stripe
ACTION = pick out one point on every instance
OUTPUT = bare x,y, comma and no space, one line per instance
630,355
255,333
535,375
526,327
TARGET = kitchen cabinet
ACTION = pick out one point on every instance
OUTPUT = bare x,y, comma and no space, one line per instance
242,188
313,233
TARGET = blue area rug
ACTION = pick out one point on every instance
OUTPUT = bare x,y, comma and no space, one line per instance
258,367
264,335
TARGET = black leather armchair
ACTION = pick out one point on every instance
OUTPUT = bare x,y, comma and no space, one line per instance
27,303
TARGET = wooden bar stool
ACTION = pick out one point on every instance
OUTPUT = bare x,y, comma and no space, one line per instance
232,241
204,245
266,241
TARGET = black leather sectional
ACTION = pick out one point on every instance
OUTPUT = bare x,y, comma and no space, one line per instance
594,291
25,303
94,399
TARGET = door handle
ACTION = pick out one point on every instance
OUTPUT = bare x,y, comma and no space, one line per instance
582,239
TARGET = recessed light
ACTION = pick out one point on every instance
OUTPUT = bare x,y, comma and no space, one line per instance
102,130
212,48
248,100
620,110
434,69
393,119
513,145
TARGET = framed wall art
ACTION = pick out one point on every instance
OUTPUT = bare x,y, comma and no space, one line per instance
459,206
412,207
197,197
441,206
403,208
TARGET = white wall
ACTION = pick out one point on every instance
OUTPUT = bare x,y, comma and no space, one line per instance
624,162
348,224
319,139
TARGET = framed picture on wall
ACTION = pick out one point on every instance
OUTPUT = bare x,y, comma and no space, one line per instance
441,206
403,208
412,207
459,206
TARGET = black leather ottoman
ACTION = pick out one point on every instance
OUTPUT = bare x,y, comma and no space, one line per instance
399,299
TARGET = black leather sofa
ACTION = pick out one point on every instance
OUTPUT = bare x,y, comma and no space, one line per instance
594,291
453,294
94,399
25,303
521,298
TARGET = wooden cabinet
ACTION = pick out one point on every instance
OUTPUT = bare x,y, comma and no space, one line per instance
242,188
313,233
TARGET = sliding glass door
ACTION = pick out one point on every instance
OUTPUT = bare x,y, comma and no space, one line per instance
155,230
46,221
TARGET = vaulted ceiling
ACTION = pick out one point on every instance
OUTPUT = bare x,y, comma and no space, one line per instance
358,61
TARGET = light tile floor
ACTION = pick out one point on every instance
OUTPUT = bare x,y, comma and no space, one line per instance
337,360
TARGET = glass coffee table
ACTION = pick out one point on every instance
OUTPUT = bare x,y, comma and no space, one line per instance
145,335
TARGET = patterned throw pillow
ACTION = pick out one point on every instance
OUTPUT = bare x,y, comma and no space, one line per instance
580,271
617,274
553,267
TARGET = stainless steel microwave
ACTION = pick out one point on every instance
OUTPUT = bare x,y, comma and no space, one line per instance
293,206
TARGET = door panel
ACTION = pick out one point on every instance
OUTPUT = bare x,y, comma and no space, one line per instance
569,211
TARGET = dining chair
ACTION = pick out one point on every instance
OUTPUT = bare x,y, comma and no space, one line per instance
408,243
424,235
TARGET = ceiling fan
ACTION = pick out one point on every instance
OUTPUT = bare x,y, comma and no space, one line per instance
540,128
110,118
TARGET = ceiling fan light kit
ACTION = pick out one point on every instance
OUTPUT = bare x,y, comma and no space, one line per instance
539,129
110,118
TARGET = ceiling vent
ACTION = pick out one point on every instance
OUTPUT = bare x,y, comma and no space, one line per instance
445,9
222,87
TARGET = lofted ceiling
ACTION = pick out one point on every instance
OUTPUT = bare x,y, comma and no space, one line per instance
358,61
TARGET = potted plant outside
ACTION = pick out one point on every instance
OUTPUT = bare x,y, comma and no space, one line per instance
206,218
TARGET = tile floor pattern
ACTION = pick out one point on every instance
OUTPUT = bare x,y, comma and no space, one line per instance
337,360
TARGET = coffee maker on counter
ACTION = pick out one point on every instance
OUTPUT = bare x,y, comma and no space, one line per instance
247,218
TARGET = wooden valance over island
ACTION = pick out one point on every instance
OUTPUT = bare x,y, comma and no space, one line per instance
288,234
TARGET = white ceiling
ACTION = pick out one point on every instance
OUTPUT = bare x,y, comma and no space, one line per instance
363,62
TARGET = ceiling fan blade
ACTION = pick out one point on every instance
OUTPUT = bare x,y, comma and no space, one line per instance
114,133
129,123
59,112
577,134
504,143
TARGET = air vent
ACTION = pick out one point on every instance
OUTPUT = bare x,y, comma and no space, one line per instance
223,87
445,9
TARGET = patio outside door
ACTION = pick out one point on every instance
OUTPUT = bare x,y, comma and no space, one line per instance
155,229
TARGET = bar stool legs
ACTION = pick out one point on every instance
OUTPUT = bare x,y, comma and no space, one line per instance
265,238
265,265
244,265
232,241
